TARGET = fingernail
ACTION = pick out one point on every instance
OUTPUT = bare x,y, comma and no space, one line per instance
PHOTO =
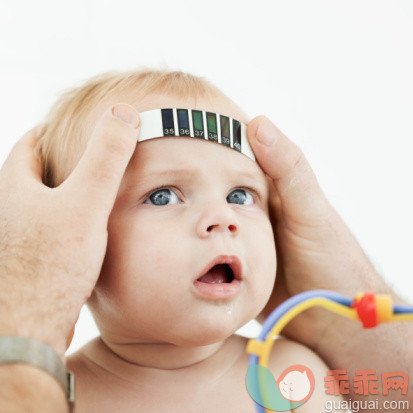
267,133
127,114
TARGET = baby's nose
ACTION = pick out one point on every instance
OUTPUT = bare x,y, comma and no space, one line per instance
217,220
219,227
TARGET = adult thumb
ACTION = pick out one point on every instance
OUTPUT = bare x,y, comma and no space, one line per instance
283,161
100,170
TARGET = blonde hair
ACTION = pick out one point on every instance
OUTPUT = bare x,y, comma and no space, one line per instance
63,135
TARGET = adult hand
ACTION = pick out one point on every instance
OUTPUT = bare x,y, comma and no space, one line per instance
315,249
53,241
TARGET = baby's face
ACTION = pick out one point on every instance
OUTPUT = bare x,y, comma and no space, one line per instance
182,203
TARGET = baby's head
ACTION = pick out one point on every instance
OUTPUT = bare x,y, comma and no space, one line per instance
182,203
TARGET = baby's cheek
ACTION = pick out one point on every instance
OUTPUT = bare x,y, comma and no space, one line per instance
266,254
263,264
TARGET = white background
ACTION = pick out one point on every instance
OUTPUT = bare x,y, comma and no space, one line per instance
335,76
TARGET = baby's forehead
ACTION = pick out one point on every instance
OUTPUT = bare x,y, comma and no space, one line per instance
190,159
192,154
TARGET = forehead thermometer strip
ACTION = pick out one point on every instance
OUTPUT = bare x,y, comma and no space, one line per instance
193,123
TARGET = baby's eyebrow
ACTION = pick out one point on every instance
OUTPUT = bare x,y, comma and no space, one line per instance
169,172
238,177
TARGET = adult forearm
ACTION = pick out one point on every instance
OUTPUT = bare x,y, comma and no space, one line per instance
387,348
316,249
52,245
26,388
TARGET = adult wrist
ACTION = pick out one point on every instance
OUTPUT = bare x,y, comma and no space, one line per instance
20,329
25,388
36,353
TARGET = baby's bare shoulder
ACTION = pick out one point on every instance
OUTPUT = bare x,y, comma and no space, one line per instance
286,353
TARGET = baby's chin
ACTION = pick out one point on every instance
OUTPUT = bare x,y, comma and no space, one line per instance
208,329
200,333
199,327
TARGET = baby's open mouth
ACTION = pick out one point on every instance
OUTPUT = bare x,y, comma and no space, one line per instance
220,279
220,273
223,269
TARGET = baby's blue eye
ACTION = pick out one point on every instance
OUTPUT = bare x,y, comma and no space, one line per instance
165,196
240,196
162,196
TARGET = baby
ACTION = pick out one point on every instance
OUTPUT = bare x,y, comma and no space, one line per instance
190,258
